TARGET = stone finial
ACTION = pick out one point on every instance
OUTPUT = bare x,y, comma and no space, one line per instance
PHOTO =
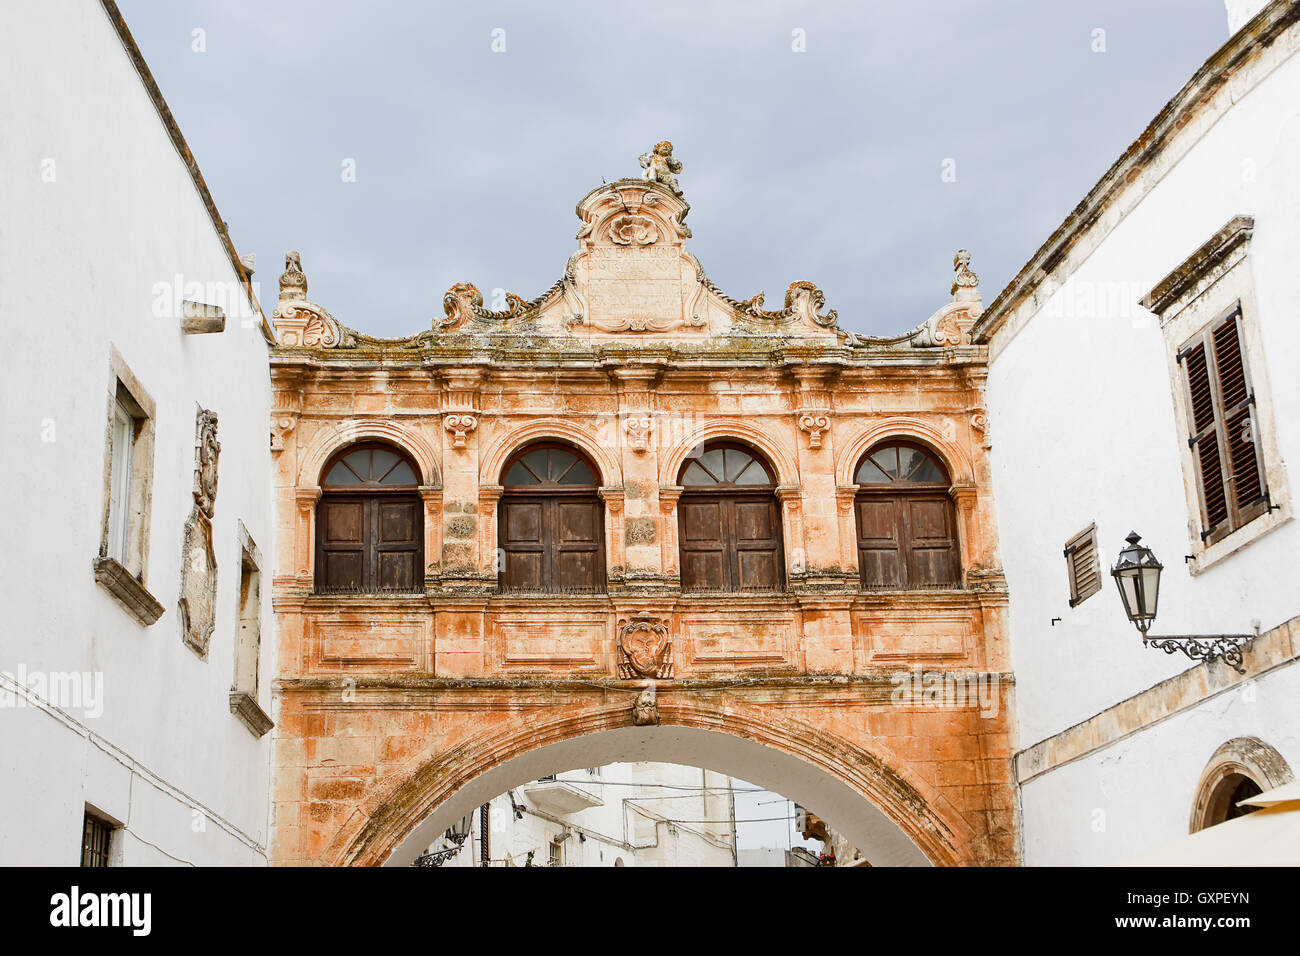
293,281
965,284
659,165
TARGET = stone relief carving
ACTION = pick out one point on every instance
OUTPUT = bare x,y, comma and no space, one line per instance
814,423
459,427
637,428
965,284
645,711
633,230
293,281
803,301
198,596
644,649
206,452
660,165
301,324
464,303
281,425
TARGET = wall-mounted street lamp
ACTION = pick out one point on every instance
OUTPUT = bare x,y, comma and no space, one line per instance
1137,573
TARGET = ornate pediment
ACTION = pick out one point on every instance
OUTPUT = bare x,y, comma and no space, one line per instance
631,280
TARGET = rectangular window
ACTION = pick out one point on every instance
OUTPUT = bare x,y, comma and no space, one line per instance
248,639
1222,420
120,481
555,856
1083,565
122,562
96,839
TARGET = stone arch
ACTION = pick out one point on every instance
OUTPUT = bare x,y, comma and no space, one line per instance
330,440
408,809
559,429
787,472
1234,759
904,428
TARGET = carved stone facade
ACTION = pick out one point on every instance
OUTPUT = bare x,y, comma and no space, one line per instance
198,596
636,360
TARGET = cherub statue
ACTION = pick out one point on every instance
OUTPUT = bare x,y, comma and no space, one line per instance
659,166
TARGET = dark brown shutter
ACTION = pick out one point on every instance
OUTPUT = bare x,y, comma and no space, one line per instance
1221,406
577,549
880,541
704,561
1083,565
341,544
552,543
1237,401
397,544
756,536
523,539
931,541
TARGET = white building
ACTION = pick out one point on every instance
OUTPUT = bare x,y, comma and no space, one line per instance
1103,411
132,332
623,814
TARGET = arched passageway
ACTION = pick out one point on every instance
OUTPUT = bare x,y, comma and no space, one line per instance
883,840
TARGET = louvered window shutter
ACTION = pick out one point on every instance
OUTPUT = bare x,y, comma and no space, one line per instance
1223,439
1083,565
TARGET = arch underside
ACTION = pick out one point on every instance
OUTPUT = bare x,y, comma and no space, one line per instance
874,806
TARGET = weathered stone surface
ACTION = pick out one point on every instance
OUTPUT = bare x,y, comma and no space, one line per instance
636,359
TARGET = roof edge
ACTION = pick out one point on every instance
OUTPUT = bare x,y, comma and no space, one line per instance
1262,30
186,156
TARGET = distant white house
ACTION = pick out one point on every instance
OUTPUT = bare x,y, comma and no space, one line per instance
138,643
623,814
1143,378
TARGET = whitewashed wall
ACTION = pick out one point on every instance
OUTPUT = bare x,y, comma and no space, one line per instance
1082,429
79,260
614,830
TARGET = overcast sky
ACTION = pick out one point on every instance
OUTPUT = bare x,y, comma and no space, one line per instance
823,165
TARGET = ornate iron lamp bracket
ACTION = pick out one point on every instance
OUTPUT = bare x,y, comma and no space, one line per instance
1206,647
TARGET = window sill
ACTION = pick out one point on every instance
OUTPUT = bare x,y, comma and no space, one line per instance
1206,557
128,591
243,706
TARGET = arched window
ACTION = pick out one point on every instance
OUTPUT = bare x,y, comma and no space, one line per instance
369,522
1239,769
729,522
551,525
907,529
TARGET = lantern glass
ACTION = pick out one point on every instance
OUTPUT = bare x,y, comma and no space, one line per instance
1137,574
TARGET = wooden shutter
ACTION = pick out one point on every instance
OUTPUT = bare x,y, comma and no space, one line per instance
577,553
703,535
396,560
341,532
552,543
1083,565
880,541
522,530
931,541
1221,410
756,543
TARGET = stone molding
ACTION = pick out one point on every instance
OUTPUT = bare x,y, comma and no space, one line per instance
127,591
1275,648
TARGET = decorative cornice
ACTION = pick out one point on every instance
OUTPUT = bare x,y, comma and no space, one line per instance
1199,264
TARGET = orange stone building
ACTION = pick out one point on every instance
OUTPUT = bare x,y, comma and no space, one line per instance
635,518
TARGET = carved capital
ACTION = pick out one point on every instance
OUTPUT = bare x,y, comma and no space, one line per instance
813,424
281,425
637,428
459,427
